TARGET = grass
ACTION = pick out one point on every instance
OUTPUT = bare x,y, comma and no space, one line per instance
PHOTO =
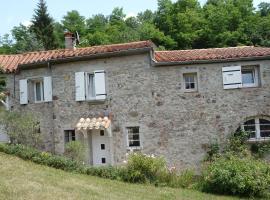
21,179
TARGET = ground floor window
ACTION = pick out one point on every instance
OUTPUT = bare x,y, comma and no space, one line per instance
133,137
69,135
258,127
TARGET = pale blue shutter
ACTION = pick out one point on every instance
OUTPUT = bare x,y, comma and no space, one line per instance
23,91
100,87
232,77
80,86
47,82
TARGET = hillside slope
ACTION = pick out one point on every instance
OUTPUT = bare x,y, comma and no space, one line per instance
25,180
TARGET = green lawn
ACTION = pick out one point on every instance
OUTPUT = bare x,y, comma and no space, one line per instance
25,180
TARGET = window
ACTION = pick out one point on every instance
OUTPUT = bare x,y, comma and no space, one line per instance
35,90
249,76
190,81
38,91
69,136
240,76
90,87
259,128
133,136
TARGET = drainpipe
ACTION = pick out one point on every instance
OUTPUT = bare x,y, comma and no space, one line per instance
52,111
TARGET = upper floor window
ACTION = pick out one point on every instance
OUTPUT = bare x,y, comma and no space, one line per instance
240,76
90,86
38,90
133,137
35,90
190,81
258,128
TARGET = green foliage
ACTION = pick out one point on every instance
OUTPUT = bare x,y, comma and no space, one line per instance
25,40
139,168
143,168
213,151
237,142
231,174
186,179
73,22
22,128
43,26
259,150
75,150
181,24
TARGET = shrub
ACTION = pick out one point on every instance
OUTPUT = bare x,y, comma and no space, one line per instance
184,180
231,174
142,168
22,128
75,150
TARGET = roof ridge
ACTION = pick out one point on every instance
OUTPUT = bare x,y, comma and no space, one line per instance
238,47
80,48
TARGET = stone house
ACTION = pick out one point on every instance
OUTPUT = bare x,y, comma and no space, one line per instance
129,97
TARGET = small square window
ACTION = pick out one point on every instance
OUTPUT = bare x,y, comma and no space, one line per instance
133,136
190,81
103,160
102,146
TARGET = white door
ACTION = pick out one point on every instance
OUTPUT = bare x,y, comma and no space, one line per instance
101,149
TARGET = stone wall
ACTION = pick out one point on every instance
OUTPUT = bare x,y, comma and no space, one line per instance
173,123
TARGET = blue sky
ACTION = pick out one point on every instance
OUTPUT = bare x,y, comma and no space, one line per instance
14,12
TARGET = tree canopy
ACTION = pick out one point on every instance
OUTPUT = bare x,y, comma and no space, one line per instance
181,24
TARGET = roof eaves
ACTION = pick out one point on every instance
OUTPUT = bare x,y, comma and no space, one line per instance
159,64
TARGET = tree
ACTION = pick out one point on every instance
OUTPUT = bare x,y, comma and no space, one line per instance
25,40
22,128
264,8
73,22
6,45
43,26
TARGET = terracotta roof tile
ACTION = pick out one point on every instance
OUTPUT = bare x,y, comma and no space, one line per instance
11,62
211,54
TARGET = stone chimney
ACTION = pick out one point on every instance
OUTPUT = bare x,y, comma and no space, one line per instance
70,40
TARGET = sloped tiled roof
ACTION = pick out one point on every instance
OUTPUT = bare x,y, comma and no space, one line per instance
11,62
211,54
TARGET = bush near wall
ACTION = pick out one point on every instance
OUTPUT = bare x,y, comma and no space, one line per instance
139,168
231,174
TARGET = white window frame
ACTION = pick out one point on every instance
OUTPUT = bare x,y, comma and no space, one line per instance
88,97
127,138
195,74
257,129
255,72
41,92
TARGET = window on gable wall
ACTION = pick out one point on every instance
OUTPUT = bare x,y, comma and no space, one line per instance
190,81
258,128
240,76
